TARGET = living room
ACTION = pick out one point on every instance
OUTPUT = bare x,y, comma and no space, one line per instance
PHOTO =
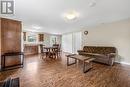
83,43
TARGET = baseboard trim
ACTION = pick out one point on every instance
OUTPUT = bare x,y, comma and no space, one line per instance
123,63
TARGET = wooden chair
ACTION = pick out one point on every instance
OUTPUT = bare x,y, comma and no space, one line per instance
54,53
59,48
44,52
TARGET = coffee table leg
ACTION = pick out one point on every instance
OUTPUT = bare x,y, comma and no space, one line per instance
75,61
86,66
67,61
68,64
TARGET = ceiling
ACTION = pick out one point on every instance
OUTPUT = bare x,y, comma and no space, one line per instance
47,15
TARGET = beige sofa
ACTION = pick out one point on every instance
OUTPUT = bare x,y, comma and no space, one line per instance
104,55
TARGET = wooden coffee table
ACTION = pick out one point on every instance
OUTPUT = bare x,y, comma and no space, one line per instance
87,61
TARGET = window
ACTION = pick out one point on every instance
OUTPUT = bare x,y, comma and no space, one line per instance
32,38
53,40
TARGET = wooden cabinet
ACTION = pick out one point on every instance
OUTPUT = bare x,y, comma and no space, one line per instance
0,41
30,49
10,36
41,37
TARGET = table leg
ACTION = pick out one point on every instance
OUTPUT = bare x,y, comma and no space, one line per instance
4,62
23,60
67,61
68,64
86,66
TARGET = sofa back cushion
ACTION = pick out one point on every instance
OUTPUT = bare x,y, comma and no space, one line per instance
99,49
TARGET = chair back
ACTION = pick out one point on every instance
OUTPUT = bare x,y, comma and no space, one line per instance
58,46
99,49
55,50
41,48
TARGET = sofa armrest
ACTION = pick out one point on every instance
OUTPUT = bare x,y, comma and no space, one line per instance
111,55
80,51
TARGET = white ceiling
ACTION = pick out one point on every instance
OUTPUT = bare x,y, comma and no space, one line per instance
48,14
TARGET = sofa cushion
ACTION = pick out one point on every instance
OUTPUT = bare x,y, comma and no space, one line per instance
93,54
99,50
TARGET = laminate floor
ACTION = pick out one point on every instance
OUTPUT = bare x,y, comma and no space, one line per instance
55,73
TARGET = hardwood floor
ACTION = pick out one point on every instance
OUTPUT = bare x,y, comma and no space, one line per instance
55,73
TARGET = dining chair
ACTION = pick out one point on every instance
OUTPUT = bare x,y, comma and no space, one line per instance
44,52
59,48
54,52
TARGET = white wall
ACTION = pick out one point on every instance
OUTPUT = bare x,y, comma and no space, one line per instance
115,34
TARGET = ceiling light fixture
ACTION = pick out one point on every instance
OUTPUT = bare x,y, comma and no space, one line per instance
36,27
92,3
71,15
